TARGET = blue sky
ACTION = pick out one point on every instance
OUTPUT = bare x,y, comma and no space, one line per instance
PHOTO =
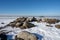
30,7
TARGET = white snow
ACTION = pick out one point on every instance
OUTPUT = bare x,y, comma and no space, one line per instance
48,33
5,20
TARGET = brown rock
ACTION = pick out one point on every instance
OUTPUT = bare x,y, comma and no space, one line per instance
57,26
51,21
25,36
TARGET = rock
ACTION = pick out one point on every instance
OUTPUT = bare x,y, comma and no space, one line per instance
18,20
23,27
27,25
3,36
38,20
51,21
28,20
11,24
25,36
48,25
33,19
18,24
21,23
2,23
21,19
57,26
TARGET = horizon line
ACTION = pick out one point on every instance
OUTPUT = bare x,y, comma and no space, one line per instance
26,16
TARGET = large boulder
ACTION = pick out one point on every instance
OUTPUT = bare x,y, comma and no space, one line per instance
18,24
27,25
28,19
25,36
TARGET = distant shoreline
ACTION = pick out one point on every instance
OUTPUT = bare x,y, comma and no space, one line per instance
25,16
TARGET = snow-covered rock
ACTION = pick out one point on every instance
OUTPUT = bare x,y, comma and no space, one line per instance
47,33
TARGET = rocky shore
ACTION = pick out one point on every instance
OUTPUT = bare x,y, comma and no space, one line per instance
26,23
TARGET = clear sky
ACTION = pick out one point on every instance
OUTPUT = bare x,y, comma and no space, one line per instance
30,7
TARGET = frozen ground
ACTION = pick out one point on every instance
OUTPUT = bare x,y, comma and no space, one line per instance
44,32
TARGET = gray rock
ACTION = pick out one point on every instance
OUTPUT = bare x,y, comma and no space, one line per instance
25,36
